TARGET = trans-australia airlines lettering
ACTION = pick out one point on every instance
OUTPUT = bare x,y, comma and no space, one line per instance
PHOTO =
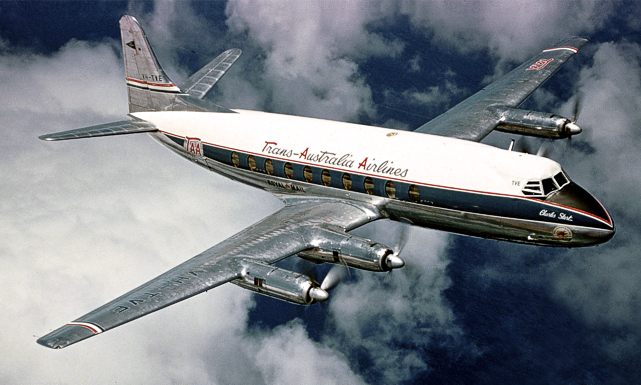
334,159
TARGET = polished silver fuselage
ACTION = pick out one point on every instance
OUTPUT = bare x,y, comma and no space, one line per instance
457,218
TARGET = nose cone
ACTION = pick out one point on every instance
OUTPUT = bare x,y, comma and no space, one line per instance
574,196
318,294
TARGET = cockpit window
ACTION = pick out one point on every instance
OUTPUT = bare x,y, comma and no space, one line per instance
545,186
532,187
560,179
548,186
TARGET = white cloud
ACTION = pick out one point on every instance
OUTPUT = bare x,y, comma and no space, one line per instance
311,47
510,30
84,221
288,356
394,320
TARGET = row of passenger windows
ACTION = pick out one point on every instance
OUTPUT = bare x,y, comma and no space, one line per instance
326,177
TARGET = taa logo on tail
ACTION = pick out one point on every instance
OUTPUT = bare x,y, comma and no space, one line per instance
194,146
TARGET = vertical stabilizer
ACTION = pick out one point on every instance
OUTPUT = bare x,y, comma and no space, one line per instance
149,88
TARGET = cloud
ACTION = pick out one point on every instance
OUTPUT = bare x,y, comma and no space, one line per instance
391,321
85,221
601,284
287,355
311,51
510,30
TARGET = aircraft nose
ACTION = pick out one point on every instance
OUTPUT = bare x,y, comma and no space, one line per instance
574,196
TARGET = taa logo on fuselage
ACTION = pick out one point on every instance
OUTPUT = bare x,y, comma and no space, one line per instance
194,146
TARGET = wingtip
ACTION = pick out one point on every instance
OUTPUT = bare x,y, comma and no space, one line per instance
69,334
574,42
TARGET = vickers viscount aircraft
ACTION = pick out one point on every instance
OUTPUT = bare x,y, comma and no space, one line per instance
333,177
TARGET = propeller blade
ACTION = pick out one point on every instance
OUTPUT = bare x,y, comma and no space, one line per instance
401,238
333,277
578,103
545,149
524,145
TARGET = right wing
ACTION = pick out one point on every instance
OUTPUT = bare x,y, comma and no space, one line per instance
280,235
200,83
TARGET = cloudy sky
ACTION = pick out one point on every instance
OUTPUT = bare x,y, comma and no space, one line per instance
82,222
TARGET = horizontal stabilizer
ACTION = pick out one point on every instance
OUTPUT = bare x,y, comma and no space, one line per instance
200,83
108,129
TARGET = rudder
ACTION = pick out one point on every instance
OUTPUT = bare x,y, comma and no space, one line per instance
148,87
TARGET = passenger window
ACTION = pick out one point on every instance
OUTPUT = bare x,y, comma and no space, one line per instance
251,162
326,177
269,167
368,184
548,186
289,170
307,174
390,189
347,181
234,159
414,194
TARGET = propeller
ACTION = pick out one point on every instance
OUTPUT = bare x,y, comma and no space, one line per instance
572,127
545,149
333,277
316,292
394,261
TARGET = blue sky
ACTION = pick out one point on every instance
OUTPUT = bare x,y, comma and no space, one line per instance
85,221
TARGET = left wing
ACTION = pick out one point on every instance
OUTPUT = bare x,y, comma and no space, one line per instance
475,117
294,228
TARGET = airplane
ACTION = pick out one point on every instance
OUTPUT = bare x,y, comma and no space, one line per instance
333,177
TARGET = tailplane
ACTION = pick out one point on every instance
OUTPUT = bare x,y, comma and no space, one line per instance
148,86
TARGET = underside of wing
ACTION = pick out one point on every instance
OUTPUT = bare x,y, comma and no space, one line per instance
115,128
245,258
200,83
475,117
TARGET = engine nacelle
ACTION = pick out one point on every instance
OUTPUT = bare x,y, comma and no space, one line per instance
280,283
339,248
533,123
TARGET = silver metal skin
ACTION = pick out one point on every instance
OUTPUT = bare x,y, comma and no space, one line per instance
507,92
340,248
532,123
280,283
316,219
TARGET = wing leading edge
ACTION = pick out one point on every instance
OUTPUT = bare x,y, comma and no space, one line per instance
294,228
475,117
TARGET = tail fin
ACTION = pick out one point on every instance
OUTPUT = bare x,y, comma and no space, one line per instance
149,88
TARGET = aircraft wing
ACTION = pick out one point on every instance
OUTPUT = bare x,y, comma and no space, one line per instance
108,129
294,228
200,83
475,117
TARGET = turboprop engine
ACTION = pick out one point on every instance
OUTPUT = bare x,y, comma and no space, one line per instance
533,123
336,247
280,283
